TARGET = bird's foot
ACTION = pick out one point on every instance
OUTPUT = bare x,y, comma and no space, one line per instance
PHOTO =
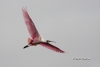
50,41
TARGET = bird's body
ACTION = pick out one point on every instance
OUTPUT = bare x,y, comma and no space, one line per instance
36,39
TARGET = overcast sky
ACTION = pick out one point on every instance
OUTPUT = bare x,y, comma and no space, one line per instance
73,24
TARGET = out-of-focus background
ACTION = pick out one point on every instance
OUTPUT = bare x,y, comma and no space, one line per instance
73,24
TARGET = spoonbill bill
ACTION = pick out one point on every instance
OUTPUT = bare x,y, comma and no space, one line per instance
36,39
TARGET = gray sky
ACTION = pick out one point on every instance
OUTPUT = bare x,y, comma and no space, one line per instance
73,24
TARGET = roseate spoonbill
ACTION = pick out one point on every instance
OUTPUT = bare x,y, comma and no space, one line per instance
36,39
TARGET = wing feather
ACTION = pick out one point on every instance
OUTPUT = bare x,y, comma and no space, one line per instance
51,47
30,25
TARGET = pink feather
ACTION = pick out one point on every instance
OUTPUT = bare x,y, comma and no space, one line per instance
30,25
51,47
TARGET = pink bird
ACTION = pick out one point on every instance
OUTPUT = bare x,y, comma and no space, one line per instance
36,39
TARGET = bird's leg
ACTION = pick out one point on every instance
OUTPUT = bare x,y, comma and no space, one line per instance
50,41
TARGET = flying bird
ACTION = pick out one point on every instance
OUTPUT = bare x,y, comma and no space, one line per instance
36,39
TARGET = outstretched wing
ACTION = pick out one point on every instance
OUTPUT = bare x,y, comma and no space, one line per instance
30,25
49,46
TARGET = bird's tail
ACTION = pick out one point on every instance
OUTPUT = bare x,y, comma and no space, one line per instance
41,38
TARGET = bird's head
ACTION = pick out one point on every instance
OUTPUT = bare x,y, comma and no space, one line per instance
29,42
